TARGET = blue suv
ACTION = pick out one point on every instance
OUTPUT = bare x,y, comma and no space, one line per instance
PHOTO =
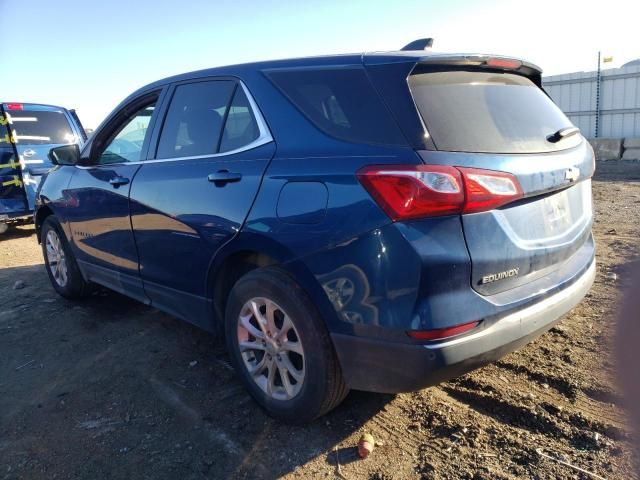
380,222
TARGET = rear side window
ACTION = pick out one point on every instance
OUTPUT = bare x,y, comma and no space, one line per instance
41,127
488,112
195,118
341,102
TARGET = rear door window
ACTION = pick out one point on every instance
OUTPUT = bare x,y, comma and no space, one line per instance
341,102
195,118
241,127
41,127
467,111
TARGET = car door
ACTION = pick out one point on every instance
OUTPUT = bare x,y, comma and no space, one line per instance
13,199
98,198
194,192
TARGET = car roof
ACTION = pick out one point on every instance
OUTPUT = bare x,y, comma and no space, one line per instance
243,70
343,59
367,58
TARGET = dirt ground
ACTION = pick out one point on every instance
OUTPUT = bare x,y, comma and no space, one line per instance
110,388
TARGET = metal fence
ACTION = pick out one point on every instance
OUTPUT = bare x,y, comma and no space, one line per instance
619,112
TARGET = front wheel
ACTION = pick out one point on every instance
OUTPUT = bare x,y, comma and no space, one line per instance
59,261
281,348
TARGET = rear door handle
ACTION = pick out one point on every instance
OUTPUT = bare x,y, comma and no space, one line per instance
117,181
224,176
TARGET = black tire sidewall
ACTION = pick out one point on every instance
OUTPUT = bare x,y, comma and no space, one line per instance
318,352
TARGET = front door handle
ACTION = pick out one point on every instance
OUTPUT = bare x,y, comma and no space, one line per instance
117,181
224,176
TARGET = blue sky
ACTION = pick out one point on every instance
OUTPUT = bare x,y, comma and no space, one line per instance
90,54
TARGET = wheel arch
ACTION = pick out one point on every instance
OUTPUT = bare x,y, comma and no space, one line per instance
251,251
41,215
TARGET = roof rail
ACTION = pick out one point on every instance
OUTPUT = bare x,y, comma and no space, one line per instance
420,44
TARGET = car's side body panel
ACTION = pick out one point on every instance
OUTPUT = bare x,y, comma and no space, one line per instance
97,214
180,220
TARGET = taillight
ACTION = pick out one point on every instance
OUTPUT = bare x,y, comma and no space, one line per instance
406,192
14,106
442,333
488,189
414,191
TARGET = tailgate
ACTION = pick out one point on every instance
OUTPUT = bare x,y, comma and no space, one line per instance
533,238
530,238
502,121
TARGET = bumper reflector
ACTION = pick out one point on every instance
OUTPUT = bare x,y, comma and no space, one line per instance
441,333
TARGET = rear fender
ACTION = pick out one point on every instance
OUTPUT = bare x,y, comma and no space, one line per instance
278,255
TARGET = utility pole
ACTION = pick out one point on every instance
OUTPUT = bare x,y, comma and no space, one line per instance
598,80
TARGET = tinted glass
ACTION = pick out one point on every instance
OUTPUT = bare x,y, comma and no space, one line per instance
41,128
488,112
340,102
194,120
241,127
126,145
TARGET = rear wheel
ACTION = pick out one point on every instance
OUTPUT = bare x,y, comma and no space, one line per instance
281,348
59,261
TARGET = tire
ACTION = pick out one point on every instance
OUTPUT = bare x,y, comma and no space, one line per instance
311,383
59,261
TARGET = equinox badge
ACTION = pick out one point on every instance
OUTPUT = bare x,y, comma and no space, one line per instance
493,277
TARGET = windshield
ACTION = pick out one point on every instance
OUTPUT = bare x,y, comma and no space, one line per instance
41,127
488,112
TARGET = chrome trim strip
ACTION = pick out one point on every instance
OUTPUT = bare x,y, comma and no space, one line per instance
525,314
264,138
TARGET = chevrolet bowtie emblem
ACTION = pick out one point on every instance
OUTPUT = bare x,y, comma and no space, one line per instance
572,174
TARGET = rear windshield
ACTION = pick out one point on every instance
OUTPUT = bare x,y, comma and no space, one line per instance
488,112
341,102
41,127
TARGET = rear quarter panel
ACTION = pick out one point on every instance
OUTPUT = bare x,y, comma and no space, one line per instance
344,245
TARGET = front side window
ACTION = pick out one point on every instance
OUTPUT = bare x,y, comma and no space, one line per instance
126,144
195,118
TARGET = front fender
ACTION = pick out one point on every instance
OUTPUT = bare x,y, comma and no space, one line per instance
53,198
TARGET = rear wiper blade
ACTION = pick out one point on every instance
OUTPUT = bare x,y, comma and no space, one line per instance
562,133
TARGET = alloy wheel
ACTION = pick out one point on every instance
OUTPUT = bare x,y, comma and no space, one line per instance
271,348
56,258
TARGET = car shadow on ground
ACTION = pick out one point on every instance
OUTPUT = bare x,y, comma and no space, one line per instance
17,232
107,386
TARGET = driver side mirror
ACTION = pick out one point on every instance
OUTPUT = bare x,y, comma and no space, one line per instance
65,155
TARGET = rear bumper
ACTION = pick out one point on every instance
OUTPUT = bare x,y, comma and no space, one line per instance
388,367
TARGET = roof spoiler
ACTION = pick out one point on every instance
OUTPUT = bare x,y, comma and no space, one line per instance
420,44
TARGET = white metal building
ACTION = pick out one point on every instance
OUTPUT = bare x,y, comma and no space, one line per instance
576,94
